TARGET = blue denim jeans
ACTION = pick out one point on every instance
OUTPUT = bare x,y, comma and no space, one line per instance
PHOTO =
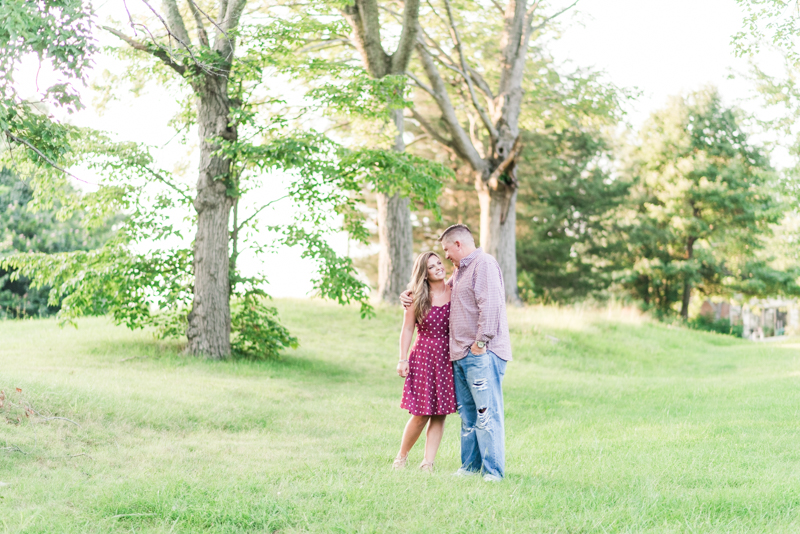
479,396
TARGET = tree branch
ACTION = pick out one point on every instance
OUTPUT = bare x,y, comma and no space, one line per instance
476,77
171,185
461,142
326,43
259,210
157,52
232,14
487,122
177,26
498,6
430,130
223,43
201,30
364,20
184,42
207,16
408,37
41,155
493,180
419,83
548,19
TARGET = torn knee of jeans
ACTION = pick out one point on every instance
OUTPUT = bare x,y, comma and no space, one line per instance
479,384
483,418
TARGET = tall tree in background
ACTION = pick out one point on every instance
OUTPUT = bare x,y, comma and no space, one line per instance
479,99
568,195
703,200
394,217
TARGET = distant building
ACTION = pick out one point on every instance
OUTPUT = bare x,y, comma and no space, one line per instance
759,318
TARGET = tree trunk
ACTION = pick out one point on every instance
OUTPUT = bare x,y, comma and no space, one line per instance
209,326
687,284
687,295
396,256
499,237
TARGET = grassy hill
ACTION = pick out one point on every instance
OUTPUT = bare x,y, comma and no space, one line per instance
614,424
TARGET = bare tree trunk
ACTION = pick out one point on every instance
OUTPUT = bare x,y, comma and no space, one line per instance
209,326
498,236
687,284
395,259
687,295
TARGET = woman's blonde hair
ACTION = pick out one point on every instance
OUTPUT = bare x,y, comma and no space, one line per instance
420,287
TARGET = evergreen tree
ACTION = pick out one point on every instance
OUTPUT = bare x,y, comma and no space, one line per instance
702,203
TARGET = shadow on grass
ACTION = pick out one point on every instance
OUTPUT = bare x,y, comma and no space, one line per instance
291,365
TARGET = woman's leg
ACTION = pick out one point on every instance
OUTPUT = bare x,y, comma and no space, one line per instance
411,433
434,437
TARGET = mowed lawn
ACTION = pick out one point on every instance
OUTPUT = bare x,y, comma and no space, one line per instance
614,424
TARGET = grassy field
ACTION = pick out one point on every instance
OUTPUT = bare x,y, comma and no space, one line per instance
614,424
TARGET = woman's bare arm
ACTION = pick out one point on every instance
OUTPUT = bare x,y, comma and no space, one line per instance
406,335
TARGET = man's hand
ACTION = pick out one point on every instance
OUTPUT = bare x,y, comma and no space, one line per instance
477,351
406,298
402,369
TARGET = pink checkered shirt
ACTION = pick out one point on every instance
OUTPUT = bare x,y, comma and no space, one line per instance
478,307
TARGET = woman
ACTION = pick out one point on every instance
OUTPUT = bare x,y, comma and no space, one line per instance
429,391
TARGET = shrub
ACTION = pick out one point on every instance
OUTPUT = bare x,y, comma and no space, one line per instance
709,324
256,331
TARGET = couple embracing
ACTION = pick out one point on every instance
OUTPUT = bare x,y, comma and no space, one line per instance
459,359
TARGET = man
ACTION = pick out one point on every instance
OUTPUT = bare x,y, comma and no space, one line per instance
480,346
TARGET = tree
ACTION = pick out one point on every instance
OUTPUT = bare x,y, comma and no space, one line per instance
564,214
702,202
244,134
394,217
484,87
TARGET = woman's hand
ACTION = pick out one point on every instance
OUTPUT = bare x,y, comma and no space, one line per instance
402,369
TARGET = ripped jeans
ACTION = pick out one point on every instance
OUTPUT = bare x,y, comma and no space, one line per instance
479,396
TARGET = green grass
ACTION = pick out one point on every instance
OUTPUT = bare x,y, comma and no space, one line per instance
614,424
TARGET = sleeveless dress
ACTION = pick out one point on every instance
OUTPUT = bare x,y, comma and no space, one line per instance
429,388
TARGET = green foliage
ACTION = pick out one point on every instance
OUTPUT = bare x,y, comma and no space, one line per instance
24,230
720,326
703,200
360,94
566,202
768,22
59,33
110,280
337,276
257,332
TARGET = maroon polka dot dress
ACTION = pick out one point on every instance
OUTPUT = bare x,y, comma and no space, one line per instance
429,388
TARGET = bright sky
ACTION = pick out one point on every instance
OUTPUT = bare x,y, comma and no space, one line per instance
661,48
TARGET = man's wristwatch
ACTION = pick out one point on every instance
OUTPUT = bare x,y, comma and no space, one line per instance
480,344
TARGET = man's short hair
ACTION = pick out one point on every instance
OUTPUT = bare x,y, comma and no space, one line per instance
457,232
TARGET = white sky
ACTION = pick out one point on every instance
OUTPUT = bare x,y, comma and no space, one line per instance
661,48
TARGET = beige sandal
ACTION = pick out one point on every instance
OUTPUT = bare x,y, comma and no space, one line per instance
400,462
426,466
